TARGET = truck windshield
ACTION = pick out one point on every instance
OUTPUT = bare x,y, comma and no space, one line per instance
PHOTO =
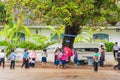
87,49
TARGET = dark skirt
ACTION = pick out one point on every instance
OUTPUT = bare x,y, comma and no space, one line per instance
75,60
64,62
56,62
44,59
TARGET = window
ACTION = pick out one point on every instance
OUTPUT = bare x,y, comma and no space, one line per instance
55,37
87,49
100,37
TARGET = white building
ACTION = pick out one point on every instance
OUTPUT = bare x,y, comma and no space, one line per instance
111,34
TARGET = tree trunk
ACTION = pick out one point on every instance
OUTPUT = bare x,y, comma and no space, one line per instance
69,35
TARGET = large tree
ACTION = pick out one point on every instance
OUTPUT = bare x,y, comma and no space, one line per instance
74,14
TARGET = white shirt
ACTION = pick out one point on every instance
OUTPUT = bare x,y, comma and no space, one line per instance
115,47
2,55
44,54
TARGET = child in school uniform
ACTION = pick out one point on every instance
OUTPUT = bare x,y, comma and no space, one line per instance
44,57
32,63
64,59
95,60
12,58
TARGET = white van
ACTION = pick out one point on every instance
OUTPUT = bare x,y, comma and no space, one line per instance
84,50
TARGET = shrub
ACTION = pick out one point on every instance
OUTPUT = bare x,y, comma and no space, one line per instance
109,46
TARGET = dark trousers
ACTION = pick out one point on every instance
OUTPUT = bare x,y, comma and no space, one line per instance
118,65
23,62
101,63
114,53
12,64
26,63
95,64
2,61
64,64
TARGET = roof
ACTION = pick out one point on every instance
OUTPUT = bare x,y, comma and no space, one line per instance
45,26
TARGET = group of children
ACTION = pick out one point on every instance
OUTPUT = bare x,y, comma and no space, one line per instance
29,59
60,58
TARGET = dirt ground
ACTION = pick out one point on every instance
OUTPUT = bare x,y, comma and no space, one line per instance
50,73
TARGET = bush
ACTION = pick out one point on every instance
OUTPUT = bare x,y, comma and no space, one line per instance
109,46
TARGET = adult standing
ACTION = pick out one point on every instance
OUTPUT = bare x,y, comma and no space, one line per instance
2,58
12,58
102,56
115,49
118,60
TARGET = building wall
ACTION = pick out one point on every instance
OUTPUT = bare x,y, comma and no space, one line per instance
42,31
113,35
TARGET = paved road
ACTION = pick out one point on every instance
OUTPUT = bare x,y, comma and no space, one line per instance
57,74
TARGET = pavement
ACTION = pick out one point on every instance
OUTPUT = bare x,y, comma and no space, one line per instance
57,74
50,73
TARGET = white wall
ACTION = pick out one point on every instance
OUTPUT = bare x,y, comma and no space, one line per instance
42,31
113,35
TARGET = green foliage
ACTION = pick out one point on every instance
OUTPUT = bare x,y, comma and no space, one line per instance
28,45
31,45
109,46
8,49
39,39
2,13
57,31
4,43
